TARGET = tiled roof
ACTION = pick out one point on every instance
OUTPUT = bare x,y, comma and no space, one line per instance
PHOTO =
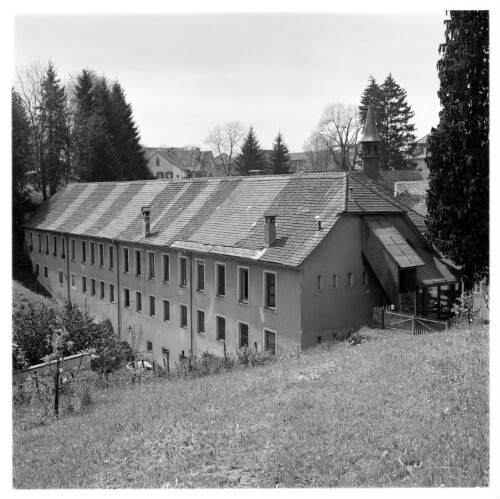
402,253
219,215
391,176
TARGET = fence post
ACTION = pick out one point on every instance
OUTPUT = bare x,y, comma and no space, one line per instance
382,318
412,325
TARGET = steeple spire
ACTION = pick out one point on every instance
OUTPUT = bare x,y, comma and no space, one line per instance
370,144
371,132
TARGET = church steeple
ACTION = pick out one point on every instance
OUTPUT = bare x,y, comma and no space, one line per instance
370,143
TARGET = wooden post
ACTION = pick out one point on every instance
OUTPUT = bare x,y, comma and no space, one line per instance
412,325
382,318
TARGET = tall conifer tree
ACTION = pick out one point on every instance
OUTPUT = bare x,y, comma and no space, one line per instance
393,117
458,153
251,156
280,158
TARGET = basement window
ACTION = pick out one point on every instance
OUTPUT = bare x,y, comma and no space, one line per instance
243,336
270,341
221,328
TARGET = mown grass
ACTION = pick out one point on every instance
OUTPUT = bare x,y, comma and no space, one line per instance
392,411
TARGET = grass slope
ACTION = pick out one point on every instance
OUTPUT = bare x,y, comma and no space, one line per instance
392,411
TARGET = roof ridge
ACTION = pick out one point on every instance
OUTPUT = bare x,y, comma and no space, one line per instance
391,198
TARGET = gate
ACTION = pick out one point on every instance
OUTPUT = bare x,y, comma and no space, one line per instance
386,318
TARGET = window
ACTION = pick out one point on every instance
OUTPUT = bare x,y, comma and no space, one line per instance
111,257
350,280
320,282
138,270
63,248
111,293
125,261
334,280
149,346
46,271
182,272
220,279
200,321
243,335
61,277
365,278
39,243
46,245
92,287
242,284
157,161
101,255
151,265
92,253
270,290
73,281
84,252
126,297
101,290
221,328
55,245
84,284
200,275
165,268
152,306
270,341
184,316
72,249
138,301
166,310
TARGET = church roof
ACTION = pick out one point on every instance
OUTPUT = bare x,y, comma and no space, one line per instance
371,132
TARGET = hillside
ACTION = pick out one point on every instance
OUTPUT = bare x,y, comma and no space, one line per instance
391,411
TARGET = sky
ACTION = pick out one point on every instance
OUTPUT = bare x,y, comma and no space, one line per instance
185,73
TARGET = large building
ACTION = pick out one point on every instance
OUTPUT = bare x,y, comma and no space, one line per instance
267,261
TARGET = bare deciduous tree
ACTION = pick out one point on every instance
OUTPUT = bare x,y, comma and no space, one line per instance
224,140
339,130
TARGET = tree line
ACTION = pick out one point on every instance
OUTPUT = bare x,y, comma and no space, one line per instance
82,130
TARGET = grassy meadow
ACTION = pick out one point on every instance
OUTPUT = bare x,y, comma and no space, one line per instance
392,411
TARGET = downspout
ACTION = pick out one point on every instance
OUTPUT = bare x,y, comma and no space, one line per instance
118,294
67,267
191,301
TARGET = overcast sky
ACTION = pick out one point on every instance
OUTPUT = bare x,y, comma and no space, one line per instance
183,74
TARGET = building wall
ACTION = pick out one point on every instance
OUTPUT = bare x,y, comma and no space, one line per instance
164,167
325,309
169,335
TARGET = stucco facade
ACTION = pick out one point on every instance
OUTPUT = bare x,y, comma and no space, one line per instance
101,287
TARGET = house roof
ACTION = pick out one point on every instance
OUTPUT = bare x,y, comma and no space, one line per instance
216,215
435,271
391,176
395,244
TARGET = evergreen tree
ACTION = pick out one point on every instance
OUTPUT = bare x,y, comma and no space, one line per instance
397,133
392,116
458,153
22,162
131,162
55,132
251,156
280,158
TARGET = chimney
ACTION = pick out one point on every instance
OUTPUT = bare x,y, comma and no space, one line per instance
146,211
269,230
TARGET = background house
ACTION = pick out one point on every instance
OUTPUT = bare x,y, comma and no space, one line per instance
180,162
419,156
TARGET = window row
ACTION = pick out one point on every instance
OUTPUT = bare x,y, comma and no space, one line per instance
349,281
